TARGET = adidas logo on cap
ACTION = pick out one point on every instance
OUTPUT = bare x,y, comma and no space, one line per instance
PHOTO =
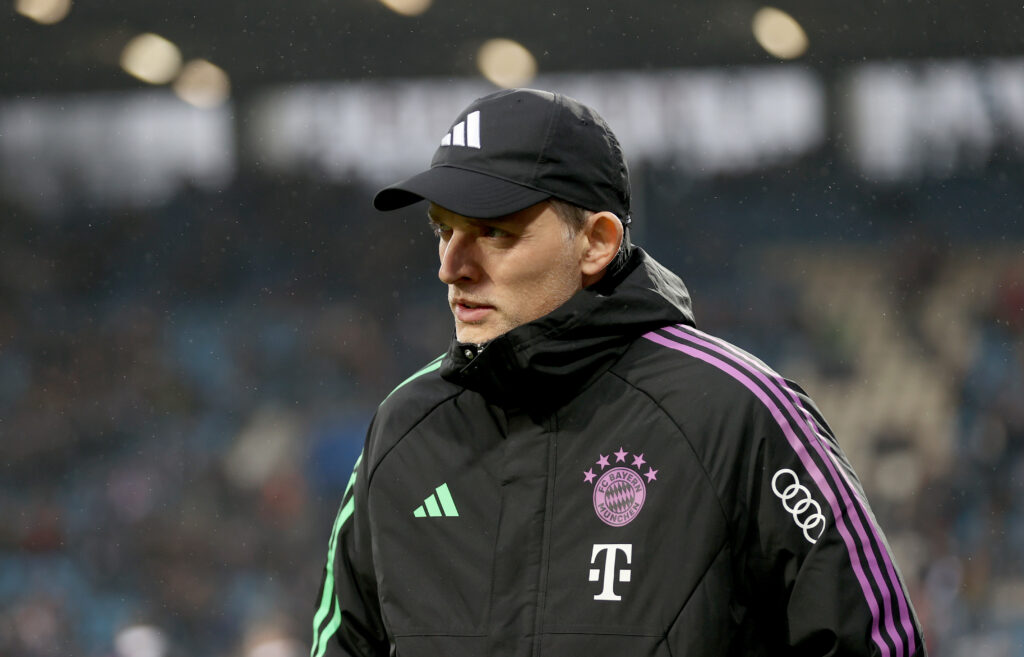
465,133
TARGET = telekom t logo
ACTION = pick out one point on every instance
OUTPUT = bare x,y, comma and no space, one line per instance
611,552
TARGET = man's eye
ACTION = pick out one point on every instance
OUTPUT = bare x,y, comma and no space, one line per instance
491,231
440,230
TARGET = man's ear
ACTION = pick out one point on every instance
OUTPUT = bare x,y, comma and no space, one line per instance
603,235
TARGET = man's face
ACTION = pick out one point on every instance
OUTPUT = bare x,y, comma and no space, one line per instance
508,271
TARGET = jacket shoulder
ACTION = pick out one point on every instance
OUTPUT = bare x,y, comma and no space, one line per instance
405,406
695,377
725,401
705,374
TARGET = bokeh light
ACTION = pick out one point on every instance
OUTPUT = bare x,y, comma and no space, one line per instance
506,63
779,33
151,58
203,84
407,7
46,12
140,641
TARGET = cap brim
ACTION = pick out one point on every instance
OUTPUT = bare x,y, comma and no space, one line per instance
461,191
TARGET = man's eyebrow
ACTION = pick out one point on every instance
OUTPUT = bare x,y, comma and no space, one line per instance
493,222
496,222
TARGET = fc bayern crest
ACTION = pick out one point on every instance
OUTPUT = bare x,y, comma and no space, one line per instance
620,492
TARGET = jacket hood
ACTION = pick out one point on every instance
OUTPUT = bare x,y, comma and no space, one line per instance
544,362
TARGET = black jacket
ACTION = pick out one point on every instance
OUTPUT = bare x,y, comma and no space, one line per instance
607,480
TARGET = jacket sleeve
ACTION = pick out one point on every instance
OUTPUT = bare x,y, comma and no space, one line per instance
347,620
819,564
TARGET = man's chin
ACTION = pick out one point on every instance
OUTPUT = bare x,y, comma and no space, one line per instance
475,333
474,337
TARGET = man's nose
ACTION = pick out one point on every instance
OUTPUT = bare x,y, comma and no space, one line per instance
458,259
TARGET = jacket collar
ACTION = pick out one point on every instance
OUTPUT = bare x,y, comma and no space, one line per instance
543,363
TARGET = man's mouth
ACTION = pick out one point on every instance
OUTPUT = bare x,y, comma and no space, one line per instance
470,312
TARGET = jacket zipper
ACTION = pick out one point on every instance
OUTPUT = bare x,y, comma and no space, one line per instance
542,576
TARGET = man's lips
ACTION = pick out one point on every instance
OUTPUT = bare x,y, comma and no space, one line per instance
469,312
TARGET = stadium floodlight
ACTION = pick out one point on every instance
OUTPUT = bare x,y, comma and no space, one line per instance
407,7
203,84
506,63
45,12
779,33
151,58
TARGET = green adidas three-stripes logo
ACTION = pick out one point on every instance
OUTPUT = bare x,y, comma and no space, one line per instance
430,507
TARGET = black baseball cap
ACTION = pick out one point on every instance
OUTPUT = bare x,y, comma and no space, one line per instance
517,147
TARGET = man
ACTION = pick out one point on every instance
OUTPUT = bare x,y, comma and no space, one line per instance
583,472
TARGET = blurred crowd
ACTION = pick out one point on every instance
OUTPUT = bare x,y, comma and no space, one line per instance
183,391
184,388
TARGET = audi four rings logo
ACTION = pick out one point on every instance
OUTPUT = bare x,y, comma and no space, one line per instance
805,510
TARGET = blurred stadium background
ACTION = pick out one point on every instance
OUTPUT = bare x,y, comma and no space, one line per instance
199,310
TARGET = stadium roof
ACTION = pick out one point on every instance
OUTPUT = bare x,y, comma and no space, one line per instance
266,42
